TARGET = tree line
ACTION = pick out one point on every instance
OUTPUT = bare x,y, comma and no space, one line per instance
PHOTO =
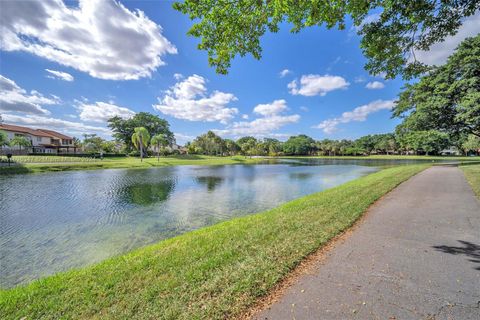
418,142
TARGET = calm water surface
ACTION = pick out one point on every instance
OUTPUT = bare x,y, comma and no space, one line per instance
55,222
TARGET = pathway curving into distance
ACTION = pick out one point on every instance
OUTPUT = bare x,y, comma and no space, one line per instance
415,256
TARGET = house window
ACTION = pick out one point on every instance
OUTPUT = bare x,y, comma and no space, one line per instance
39,139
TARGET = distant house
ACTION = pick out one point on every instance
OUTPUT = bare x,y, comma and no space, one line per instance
171,149
42,140
450,151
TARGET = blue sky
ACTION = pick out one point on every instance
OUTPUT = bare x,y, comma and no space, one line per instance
64,67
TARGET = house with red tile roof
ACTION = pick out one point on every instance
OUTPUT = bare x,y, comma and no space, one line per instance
42,140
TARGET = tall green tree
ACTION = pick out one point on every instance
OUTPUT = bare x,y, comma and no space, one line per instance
248,145
92,143
209,144
231,147
20,141
160,142
448,98
140,139
366,143
228,28
271,147
3,139
471,144
430,141
123,129
76,144
109,147
299,145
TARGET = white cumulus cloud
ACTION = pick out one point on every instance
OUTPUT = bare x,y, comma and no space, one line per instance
313,85
188,100
359,79
375,85
182,138
100,37
54,74
270,109
177,76
439,52
15,99
358,114
102,111
284,73
271,120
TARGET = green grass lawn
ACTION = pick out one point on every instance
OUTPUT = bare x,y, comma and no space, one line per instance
34,164
395,157
216,272
48,159
472,173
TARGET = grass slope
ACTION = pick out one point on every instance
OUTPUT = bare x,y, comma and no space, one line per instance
394,157
472,173
212,273
49,164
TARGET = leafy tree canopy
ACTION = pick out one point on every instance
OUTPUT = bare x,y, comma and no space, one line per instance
248,145
160,142
3,138
299,145
472,143
20,141
228,28
93,143
448,98
123,129
427,141
209,143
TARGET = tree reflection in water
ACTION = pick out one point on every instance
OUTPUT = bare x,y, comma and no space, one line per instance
211,182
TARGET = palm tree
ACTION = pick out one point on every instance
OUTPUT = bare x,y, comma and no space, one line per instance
140,139
20,141
76,144
159,141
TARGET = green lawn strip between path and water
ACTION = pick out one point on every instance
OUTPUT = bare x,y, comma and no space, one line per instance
216,272
472,173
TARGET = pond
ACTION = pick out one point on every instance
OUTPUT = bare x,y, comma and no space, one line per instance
58,221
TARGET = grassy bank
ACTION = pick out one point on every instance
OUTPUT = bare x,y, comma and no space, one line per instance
472,173
25,164
35,164
213,273
394,157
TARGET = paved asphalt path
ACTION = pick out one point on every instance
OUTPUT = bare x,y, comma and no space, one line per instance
415,256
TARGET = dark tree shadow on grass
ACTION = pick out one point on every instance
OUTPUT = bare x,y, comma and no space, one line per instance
13,168
468,249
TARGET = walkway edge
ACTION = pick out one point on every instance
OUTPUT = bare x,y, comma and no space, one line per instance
312,260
